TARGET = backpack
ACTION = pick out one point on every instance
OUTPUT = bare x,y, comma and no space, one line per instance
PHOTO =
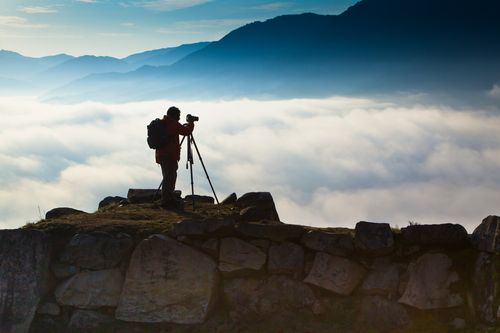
157,135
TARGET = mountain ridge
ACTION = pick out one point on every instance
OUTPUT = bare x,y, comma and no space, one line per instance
49,72
375,46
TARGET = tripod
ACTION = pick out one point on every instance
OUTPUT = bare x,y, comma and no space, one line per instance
189,164
190,141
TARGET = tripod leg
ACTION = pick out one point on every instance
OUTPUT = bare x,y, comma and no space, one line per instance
190,161
204,169
158,190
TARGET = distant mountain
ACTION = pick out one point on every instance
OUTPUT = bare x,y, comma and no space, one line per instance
51,61
46,73
79,67
15,66
163,57
406,43
376,46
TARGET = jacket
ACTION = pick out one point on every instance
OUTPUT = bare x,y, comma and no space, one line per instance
173,148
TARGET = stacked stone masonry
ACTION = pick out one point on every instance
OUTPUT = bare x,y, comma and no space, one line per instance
254,270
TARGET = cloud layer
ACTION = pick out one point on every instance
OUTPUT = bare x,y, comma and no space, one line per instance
330,162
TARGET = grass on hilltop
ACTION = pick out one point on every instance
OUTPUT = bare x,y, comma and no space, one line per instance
137,220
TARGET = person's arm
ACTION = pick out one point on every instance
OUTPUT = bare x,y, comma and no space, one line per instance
185,129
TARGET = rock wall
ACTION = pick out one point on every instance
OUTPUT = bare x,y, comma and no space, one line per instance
223,275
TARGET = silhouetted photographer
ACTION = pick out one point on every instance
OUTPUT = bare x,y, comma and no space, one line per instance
169,152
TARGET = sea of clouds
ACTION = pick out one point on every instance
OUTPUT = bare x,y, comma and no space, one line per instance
327,162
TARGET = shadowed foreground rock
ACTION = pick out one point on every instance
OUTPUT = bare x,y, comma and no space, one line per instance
238,257
212,272
374,239
250,299
339,244
24,265
256,206
96,251
91,289
430,283
486,237
336,274
446,234
383,279
168,281
111,200
62,211
382,315
486,287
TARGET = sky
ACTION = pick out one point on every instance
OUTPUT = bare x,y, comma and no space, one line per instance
327,162
122,27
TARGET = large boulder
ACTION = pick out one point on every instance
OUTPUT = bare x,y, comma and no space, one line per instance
382,280
199,199
485,287
382,315
486,236
62,271
211,247
238,257
374,239
286,258
86,320
49,308
62,211
91,289
256,299
201,228
111,200
336,274
138,196
24,268
221,227
97,251
263,206
430,283
339,244
168,281
230,199
190,227
446,234
277,232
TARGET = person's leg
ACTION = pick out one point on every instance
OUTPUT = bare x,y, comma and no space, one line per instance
169,171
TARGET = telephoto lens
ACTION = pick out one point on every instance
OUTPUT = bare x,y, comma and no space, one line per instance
191,118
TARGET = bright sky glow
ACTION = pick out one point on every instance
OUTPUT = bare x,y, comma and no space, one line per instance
122,27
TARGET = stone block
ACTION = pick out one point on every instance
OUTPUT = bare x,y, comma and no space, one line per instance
336,274
168,281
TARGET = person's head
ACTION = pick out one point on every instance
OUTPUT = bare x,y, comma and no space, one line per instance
174,113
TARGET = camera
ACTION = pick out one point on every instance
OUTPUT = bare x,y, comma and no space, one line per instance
191,118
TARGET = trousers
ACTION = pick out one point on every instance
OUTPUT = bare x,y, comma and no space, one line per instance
169,168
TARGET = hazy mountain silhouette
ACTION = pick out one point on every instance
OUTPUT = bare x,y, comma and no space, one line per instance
14,65
80,67
51,61
23,74
163,57
375,46
409,44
